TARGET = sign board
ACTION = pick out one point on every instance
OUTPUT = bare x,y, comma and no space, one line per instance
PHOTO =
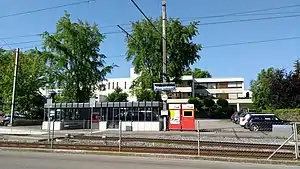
164,97
49,102
92,102
164,86
164,112
187,106
174,106
174,116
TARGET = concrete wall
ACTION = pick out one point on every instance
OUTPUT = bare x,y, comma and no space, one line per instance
135,126
57,125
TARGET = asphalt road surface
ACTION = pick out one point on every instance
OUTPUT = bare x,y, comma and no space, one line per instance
31,160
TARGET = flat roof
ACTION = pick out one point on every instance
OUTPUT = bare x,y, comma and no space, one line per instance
105,104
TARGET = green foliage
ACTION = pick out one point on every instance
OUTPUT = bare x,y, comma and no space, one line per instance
222,113
198,73
297,68
197,103
74,58
286,114
146,95
276,89
32,75
209,103
144,49
117,96
222,102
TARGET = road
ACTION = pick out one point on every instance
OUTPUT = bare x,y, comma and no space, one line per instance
34,160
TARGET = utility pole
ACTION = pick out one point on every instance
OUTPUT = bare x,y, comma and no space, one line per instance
164,39
14,87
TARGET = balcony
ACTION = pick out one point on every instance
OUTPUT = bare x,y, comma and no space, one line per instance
183,88
226,90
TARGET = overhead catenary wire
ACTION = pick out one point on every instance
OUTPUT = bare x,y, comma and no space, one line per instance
45,9
250,11
219,45
209,46
184,20
151,23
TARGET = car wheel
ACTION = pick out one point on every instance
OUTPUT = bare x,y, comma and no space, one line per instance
245,126
254,128
6,123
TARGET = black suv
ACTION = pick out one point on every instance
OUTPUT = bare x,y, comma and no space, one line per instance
263,122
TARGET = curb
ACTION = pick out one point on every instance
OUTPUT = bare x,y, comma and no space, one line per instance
170,156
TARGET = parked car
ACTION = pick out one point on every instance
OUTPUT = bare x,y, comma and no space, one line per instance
243,118
263,122
6,119
248,117
235,116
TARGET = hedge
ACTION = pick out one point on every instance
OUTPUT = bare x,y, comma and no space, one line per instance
27,122
286,114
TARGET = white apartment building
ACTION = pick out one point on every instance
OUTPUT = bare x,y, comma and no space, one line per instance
232,89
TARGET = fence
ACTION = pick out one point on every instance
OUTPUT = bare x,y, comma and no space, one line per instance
200,143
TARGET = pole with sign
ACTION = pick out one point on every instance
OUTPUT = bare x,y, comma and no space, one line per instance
168,86
92,105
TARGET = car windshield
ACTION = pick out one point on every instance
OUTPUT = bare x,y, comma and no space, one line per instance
243,114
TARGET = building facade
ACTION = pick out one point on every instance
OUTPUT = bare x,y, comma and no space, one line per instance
232,89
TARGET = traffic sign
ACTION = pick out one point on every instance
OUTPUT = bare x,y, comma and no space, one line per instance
164,86
164,97
92,102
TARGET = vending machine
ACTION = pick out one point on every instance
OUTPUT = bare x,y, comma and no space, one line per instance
175,117
187,117
182,117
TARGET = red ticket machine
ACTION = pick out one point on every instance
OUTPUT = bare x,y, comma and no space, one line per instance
187,117
175,117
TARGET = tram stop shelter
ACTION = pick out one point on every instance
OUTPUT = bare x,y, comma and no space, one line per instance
128,116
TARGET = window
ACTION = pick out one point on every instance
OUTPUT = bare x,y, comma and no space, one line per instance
188,113
125,85
222,95
222,85
108,86
113,85
117,84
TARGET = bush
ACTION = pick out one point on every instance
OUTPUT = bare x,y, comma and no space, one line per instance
286,114
222,113
222,102
27,122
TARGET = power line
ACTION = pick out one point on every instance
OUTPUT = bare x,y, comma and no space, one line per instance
251,14
250,11
248,20
208,23
45,9
225,45
141,11
5,44
252,42
39,34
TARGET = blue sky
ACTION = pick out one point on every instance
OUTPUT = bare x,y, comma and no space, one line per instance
231,61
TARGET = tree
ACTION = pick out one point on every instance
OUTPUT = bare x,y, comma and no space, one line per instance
276,89
297,68
144,49
197,103
198,73
222,102
146,95
117,96
32,75
75,59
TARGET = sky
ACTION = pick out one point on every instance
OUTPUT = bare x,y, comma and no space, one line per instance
224,61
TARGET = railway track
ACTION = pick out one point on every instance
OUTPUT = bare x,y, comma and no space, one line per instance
203,152
189,142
